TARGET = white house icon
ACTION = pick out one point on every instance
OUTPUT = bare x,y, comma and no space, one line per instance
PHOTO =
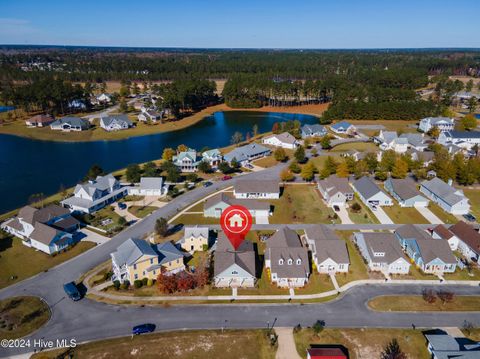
236,220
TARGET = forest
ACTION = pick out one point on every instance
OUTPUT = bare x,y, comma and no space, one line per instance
359,84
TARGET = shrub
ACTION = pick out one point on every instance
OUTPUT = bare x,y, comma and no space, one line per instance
428,296
144,281
355,207
138,284
205,247
125,285
150,282
116,284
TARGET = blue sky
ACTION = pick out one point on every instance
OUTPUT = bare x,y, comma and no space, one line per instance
246,23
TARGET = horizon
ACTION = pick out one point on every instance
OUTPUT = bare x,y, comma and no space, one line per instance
310,25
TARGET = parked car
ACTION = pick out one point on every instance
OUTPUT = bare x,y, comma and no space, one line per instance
226,178
248,165
207,184
72,291
122,205
143,328
336,208
470,217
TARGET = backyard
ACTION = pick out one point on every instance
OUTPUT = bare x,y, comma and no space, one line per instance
13,253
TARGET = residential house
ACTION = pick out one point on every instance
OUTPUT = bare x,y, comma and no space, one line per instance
326,352
187,161
343,127
214,206
245,154
212,157
40,121
449,198
284,140
103,98
149,186
234,268
370,193
382,252
148,115
425,157
388,140
430,255
136,259
77,104
463,139
468,240
442,123
95,194
329,253
405,192
287,259
442,232
195,239
68,124
315,130
256,189
115,123
415,141
49,229
356,155
335,190
444,346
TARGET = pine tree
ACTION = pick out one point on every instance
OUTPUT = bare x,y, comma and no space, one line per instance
393,351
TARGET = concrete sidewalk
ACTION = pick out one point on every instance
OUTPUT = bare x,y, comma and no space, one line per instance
429,215
286,344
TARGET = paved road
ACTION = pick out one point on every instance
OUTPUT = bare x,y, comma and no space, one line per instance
89,320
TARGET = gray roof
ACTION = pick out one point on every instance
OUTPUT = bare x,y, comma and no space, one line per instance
284,237
410,231
341,124
414,139
334,249
404,188
333,184
382,242
321,232
26,214
131,250
443,190
255,186
31,215
431,249
366,187
120,119
44,234
195,231
284,137
247,203
151,183
167,252
442,342
226,256
389,136
101,183
72,121
311,130
243,153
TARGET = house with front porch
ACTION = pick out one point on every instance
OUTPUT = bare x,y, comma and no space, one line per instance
405,192
449,198
188,161
115,123
442,123
370,193
343,127
286,259
329,252
95,194
70,123
234,268
195,239
284,140
382,252
245,154
335,190
214,206
256,189
314,130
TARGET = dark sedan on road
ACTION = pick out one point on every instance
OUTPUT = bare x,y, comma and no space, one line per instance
143,328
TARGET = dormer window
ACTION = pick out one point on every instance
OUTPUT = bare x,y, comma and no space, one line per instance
299,261
280,261
290,261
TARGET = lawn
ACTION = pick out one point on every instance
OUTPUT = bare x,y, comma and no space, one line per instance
359,146
320,160
358,269
364,343
440,213
141,211
404,215
474,197
364,216
265,162
301,204
263,287
195,344
20,316
317,283
405,303
197,218
105,214
13,254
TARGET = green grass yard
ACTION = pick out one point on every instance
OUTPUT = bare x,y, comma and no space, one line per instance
141,212
404,215
474,197
440,213
364,216
405,303
358,269
359,146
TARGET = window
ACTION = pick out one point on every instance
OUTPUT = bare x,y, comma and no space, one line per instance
143,273
134,266
290,262
299,261
154,272
178,260
151,261
136,276
234,272
280,261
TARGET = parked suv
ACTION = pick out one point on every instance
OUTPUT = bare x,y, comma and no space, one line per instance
72,291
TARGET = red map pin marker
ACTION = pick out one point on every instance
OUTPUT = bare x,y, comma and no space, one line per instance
236,221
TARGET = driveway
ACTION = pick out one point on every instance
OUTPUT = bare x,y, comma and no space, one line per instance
429,215
261,220
382,216
91,236
343,215
286,344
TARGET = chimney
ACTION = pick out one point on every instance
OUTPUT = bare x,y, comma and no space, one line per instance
450,182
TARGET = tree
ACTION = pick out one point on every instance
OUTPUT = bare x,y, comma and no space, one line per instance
192,177
472,104
393,351
185,281
469,122
123,107
161,227
300,154
167,283
434,132
445,296
182,148
224,167
255,130
168,154
121,221
342,170
329,166
325,142
150,169
286,175
400,169
308,172
204,167
314,152
173,174
234,164
355,207
276,128
94,172
280,154
469,86
371,161
428,296
381,175
133,173
318,327
294,167
236,138
307,142
388,160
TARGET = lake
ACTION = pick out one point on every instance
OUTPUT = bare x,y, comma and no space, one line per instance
31,166
6,108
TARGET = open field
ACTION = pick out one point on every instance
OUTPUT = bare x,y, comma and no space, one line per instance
359,146
301,204
265,162
364,343
13,253
404,215
20,316
474,197
408,302
200,344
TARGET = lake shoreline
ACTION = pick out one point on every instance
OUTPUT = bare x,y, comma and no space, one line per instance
140,131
